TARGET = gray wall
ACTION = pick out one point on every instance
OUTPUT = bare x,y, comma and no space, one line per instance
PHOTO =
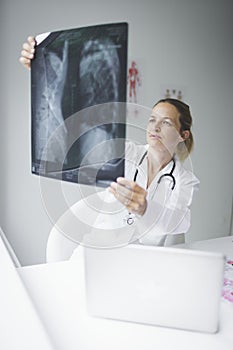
187,43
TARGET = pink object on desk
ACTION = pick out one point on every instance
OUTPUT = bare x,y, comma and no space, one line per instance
227,292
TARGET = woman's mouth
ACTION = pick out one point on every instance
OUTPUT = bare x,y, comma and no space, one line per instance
154,136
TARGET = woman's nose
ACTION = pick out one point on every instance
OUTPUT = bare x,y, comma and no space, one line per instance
157,127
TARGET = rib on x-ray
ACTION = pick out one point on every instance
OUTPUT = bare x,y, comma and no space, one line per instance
78,90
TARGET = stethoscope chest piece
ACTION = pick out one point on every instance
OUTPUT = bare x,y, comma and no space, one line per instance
129,219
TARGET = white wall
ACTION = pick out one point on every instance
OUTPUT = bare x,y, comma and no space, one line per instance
188,43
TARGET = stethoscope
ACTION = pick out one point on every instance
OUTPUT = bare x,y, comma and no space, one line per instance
130,218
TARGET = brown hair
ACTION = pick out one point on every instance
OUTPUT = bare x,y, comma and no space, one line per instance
184,148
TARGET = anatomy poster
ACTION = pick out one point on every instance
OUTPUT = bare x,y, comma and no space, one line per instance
134,82
78,95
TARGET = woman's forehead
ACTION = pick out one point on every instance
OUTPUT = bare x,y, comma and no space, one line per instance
165,110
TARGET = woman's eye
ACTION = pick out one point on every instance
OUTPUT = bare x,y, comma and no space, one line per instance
167,122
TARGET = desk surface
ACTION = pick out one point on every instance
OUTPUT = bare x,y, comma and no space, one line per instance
58,292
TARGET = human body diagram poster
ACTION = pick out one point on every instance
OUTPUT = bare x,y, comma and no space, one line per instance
78,95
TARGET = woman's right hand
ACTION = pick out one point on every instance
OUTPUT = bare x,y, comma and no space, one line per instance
27,53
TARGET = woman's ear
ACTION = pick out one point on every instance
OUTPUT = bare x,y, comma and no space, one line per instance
185,134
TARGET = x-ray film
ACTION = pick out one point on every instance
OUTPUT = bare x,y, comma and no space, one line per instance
78,95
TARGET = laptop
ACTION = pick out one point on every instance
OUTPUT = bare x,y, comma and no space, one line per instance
161,286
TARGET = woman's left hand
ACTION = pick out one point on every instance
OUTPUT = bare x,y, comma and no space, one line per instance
130,194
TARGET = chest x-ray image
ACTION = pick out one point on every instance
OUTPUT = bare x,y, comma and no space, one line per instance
78,95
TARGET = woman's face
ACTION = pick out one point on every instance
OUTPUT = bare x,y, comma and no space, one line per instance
163,128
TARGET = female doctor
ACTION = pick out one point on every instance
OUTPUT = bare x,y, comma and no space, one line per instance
154,197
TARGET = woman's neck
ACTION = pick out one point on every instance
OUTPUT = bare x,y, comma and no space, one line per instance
156,162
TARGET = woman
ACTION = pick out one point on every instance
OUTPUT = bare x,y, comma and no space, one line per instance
156,193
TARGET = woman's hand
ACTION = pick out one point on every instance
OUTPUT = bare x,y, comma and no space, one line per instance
130,194
27,53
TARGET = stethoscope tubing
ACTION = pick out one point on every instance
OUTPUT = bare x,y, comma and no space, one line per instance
162,176
130,219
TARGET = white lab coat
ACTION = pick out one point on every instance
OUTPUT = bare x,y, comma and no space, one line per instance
99,220
168,211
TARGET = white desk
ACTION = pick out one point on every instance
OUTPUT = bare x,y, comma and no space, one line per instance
58,292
